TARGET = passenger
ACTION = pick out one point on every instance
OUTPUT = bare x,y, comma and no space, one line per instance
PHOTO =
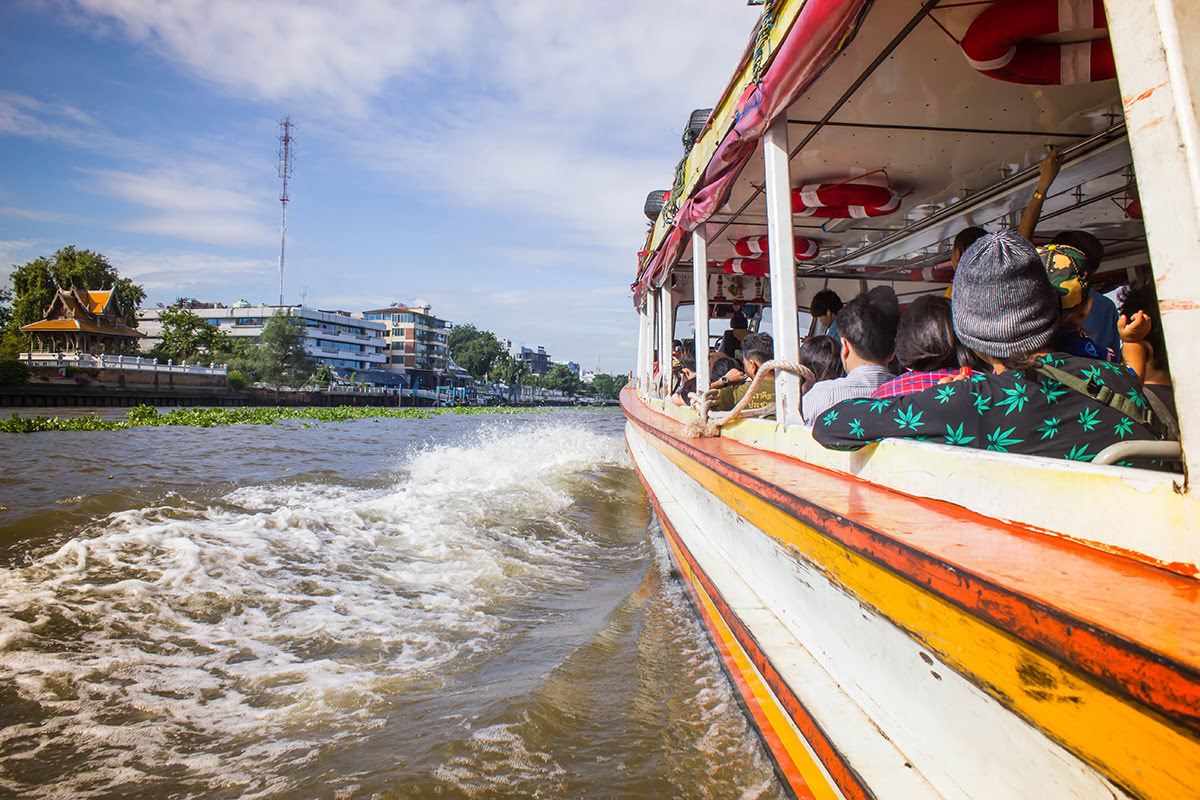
687,384
1069,277
757,350
824,309
1101,320
965,238
928,349
1037,402
868,337
1033,211
822,355
1145,350
724,371
731,342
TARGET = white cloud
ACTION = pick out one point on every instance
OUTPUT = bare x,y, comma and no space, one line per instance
177,273
31,118
202,202
35,215
281,48
17,252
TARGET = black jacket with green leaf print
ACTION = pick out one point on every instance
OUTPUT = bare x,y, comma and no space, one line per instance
1010,413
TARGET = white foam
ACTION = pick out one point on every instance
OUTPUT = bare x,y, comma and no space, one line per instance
280,610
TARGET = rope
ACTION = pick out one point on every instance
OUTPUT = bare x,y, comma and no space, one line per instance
710,422
761,39
670,208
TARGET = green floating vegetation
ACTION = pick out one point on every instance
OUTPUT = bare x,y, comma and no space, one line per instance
144,416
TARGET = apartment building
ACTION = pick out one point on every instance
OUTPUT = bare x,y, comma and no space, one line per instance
538,360
334,338
416,343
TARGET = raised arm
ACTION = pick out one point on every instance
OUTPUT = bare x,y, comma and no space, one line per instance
1134,349
1033,211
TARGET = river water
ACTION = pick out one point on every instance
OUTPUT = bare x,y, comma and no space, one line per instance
463,606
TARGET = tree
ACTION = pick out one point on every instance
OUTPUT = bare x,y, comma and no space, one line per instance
5,308
608,386
280,355
185,335
474,350
562,379
323,376
34,284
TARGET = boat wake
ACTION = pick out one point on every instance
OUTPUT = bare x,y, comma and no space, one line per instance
217,646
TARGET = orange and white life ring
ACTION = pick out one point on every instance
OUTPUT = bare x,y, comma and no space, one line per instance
756,246
1000,43
758,267
844,200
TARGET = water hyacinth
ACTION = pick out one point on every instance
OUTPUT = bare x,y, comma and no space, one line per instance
142,416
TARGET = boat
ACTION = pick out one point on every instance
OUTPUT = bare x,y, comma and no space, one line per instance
912,619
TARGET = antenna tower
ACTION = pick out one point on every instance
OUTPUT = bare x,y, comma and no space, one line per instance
286,168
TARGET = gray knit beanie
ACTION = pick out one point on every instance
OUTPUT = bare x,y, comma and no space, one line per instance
1003,304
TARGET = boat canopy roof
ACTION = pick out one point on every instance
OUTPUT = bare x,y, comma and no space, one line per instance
883,94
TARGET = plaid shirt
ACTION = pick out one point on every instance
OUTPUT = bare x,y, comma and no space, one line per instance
913,382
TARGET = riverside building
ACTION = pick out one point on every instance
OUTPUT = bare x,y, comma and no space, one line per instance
415,342
332,338
538,360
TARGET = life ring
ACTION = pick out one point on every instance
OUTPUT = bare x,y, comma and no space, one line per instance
757,267
998,42
755,246
844,200
933,275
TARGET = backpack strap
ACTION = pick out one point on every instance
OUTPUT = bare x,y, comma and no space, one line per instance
1164,415
1105,396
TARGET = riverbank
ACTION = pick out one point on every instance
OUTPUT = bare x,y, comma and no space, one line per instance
145,416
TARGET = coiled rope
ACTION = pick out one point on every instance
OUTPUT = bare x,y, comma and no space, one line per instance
710,422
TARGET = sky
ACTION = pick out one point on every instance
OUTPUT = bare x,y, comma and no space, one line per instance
489,158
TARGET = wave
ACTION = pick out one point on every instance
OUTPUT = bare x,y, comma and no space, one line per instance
213,645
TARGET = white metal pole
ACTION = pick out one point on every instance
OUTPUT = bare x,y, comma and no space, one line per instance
781,251
700,307
667,327
653,340
641,348
1160,88
648,352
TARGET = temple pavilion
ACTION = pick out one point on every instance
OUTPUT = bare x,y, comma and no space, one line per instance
83,321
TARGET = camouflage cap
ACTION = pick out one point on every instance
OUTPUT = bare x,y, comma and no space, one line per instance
1066,267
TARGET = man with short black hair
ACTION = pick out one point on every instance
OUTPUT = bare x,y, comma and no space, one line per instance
757,349
824,309
965,238
868,336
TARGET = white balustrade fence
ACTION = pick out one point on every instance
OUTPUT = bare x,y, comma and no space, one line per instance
126,363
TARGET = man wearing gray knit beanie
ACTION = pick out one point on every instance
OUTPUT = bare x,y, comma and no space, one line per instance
1035,402
1002,302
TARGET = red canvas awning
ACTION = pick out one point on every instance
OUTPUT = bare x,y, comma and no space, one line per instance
821,30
